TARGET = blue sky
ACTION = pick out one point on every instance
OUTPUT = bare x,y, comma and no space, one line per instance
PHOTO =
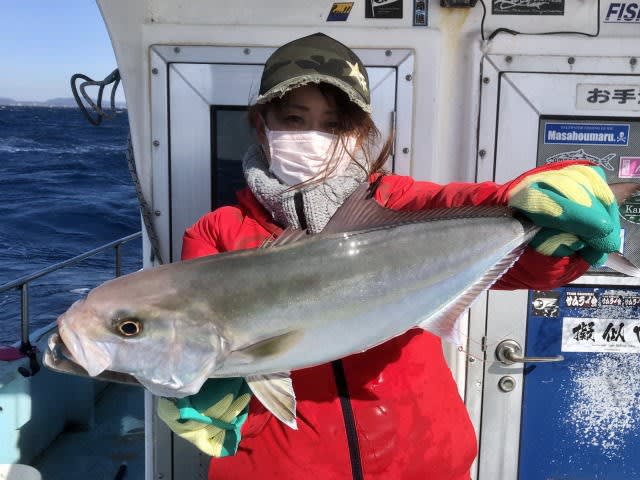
44,42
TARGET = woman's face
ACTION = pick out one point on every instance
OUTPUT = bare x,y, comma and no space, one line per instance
304,108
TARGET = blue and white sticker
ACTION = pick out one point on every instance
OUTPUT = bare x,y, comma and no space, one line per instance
587,134
622,12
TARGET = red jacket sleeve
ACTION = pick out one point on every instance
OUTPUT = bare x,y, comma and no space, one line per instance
532,271
201,239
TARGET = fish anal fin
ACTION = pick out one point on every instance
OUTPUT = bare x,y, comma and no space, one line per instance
276,393
445,322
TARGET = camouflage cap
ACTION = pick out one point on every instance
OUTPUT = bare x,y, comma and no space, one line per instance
314,59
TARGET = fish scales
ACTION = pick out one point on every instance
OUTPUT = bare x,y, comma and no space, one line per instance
374,285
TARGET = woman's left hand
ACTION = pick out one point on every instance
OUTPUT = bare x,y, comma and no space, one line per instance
575,207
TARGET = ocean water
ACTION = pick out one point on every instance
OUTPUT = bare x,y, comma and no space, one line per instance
65,188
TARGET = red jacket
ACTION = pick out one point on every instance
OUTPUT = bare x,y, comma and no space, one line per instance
399,397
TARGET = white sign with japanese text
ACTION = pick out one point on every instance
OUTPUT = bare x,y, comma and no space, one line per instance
591,96
600,335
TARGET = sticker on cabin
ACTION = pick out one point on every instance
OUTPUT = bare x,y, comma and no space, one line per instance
591,96
581,334
622,12
586,134
527,7
629,167
630,210
580,154
420,14
383,9
545,303
340,12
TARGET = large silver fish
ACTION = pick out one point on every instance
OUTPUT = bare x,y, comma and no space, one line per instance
303,301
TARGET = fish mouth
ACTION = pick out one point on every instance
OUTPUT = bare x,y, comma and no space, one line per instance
58,358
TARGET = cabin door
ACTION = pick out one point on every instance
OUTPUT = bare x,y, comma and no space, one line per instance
200,97
576,413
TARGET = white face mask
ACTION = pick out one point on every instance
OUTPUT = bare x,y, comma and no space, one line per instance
297,156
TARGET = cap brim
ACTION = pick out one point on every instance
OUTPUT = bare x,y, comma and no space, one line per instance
283,87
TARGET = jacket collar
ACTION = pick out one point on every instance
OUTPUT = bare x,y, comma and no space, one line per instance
248,201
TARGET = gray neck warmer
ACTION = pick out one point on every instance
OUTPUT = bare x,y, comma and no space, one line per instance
319,201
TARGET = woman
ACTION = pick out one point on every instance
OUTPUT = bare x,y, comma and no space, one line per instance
392,412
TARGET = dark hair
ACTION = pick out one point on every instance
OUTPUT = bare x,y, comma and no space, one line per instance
352,120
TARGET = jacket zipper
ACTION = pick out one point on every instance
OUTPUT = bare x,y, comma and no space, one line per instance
341,380
349,420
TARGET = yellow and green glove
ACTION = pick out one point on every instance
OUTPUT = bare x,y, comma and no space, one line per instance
575,207
211,419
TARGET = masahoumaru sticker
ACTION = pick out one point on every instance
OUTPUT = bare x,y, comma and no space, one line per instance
527,7
340,12
383,9
587,133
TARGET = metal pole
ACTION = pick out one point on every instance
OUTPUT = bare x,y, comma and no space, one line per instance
118,260
24,313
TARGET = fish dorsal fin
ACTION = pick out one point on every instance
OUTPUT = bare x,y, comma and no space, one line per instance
361,212
276,393
444,323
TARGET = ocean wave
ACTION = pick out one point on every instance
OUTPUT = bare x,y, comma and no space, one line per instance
64,189
73,150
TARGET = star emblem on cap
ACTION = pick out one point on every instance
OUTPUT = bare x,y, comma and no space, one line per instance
355,72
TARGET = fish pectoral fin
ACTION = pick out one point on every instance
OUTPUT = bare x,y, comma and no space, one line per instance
271,346
276,393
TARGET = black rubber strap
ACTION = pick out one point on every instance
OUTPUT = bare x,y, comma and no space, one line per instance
349,420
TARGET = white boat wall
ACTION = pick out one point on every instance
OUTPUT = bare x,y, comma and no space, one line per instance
466,91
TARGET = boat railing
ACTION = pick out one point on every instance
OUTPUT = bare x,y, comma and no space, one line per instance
23,282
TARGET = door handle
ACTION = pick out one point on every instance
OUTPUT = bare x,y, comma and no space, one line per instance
510,352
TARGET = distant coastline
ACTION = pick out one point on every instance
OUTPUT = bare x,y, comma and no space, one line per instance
68,102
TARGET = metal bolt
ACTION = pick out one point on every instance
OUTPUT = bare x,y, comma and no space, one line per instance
156,143
176,49
508,59
633,60
486,80
157,213
472,360
405,150
408,77
246,51
154,71
507,384
482,153
160,476
388,53
571,60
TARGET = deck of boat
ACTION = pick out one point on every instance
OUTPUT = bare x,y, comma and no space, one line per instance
116,439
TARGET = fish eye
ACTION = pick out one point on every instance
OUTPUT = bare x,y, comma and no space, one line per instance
129,327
